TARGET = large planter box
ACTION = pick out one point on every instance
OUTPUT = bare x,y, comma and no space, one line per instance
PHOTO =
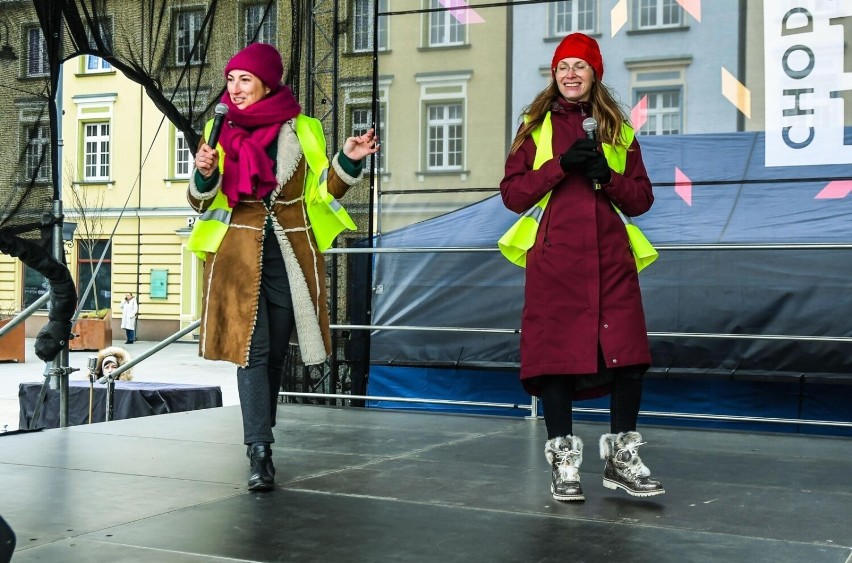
13,343
92,334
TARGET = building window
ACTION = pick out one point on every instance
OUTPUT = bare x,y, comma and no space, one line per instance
443,100
664,112
96,156
658,93
37,153
259,23
88,254
444,137
37,64
189,49
362,120
362,26
657,14
96,64
445,30
568,16
358,100
93,64
35,286
183,158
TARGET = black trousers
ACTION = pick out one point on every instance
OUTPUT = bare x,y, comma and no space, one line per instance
557,397
259,382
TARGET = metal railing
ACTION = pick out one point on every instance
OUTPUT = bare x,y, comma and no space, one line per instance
532,408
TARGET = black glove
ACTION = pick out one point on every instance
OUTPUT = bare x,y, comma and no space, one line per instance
597,168
576,158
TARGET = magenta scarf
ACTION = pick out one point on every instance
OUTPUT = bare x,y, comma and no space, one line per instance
245,137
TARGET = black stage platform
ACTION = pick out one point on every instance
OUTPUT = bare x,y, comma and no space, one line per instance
369,485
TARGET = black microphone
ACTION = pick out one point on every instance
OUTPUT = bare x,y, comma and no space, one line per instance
221,110
590,126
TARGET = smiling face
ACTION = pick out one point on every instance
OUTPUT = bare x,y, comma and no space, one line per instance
574,78
245,88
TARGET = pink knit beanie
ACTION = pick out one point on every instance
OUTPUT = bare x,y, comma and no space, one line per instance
262,60
580,46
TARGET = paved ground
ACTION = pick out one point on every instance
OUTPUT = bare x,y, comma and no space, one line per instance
177,363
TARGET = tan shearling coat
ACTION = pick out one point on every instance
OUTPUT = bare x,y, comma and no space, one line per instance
232,274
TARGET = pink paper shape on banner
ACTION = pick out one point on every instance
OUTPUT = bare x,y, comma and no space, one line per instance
692,7
837,189
683,186
639,113
460,10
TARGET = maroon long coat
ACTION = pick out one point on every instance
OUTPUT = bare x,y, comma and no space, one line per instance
582,288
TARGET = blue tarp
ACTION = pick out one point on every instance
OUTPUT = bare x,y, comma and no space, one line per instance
724,196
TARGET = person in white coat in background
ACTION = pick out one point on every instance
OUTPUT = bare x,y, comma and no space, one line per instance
129,312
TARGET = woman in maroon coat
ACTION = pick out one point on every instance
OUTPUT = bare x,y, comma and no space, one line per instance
583,327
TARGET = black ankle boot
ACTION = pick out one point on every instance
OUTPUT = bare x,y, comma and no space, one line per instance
262,474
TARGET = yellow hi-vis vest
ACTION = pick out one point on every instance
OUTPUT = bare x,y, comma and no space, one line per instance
328,218
520,237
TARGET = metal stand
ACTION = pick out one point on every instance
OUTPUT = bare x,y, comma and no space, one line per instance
110,399
110,379
93,364
54,378
533,409
60,368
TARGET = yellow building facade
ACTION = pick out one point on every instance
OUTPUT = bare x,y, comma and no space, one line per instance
124,176
124,167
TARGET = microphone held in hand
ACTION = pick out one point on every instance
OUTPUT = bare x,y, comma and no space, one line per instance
221,111
590,126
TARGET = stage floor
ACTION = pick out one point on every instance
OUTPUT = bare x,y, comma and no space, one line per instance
372,485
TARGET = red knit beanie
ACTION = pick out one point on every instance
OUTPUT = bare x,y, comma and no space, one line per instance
580,46
262,60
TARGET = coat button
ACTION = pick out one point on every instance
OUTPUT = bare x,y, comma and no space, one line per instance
614,361
606,326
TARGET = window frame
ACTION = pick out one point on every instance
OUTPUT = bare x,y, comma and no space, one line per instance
85,257
375,162
104,158
661,6
35,292
101,65
446,123
661,113
30,147
574,7
366,39
653,77
178,137
358,95
442,89
182,102
268,31
448,23
177,47
43,69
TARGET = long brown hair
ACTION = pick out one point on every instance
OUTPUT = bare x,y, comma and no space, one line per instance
609,114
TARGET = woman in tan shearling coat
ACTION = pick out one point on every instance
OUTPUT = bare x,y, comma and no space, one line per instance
266,281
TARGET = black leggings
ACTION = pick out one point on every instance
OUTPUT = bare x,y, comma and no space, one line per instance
258,383
557,396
